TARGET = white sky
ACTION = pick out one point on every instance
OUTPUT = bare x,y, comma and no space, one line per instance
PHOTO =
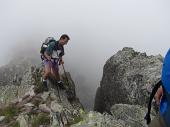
98,29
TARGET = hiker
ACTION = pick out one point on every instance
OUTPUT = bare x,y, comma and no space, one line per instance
52,58
162,96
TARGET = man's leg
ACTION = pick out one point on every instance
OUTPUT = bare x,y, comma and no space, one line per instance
55,73
47,72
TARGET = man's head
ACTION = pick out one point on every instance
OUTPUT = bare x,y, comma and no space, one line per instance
64,39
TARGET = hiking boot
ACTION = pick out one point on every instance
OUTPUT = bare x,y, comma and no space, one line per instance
45,86
61,85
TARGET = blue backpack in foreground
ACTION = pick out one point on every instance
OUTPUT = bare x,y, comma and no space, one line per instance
165,101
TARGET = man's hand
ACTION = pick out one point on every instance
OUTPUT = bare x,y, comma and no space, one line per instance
158,95
61,62
47,56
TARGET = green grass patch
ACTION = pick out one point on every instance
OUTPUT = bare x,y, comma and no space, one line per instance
75,120
16,124
40,119
9,112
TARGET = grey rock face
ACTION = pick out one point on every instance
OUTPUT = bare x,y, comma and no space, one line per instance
56,107
132,115
12,73
95,119
2,118
122,115
22,121
16,79
126,76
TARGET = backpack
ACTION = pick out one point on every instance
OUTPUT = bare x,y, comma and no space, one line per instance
45,44
165,101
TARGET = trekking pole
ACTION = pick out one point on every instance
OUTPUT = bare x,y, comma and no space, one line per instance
68,84
59,94
65,74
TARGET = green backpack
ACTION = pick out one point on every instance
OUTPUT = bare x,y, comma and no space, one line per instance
45,44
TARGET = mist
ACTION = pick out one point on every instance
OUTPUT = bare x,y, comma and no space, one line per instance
97,28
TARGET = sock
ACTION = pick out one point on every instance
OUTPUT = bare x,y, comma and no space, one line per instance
59,81
44,80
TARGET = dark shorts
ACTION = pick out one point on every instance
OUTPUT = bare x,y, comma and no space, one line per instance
52,63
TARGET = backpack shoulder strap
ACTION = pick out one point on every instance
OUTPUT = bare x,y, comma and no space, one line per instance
156,87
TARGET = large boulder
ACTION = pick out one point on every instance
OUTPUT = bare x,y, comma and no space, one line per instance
132,115
126,77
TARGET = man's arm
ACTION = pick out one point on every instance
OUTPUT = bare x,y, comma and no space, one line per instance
158,95
61,56
49,50
47,56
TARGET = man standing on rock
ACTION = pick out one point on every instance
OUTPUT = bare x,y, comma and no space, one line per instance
162,96
52,58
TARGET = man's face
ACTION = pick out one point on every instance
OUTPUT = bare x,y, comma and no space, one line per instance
63,41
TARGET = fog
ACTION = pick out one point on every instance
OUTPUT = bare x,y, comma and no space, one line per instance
97,28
